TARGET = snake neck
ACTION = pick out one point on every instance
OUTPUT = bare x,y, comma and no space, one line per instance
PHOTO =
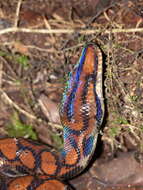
82,109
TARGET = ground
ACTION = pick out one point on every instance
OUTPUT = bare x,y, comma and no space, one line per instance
33,68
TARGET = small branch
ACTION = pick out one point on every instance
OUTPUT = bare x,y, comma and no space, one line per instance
69,31
5,98
1,72
17,13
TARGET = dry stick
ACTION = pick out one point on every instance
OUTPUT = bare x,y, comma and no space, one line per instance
1,75
69,31
17,13
48,27
1,70
8,67
7,100
5,97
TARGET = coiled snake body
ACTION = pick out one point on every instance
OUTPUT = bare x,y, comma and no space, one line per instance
34,166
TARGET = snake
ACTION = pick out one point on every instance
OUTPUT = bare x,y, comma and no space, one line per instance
30,165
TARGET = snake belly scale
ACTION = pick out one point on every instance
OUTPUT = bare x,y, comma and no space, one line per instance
33,166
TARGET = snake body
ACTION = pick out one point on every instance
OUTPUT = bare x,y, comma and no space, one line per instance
34,166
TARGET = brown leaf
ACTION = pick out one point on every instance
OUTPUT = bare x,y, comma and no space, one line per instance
50,109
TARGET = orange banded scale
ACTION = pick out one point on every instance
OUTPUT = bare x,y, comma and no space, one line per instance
33,166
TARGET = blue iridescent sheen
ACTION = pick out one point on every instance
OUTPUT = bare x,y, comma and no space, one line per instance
88,144
68,136
72,84
73,142
99,112
66,132
70,110
67,87
63,153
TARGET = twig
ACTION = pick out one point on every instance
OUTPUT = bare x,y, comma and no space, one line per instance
17,13
100,12
69,31
8,66
56,126
5,97
48,27
1,67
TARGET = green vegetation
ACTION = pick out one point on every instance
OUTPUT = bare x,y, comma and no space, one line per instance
18,58
114,131
18,129
58,142
23,60
121,120
134,98
3,54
